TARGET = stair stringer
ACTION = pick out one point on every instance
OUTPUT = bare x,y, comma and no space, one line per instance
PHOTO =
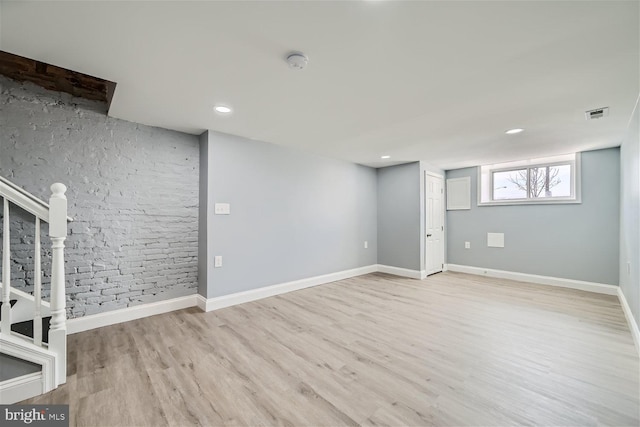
22,349
23,310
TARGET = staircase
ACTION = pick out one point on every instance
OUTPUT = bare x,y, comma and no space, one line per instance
33,334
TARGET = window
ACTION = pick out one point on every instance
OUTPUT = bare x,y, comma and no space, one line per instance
545,180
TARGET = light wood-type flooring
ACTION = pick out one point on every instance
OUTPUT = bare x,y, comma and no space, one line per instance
451,350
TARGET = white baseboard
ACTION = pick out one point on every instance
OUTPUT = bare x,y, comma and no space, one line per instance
599,288
224,301
633,326
201,302
18,389
404,272
130,313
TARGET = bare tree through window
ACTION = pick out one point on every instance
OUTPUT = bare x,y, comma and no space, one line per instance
541,180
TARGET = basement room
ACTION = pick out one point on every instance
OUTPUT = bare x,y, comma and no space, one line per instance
319,213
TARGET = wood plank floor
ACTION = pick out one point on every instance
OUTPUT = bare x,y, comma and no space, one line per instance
451,350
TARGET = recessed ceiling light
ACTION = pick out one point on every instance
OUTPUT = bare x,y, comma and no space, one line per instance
513,131
385,157
223,109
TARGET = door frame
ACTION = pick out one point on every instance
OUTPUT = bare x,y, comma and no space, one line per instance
444,217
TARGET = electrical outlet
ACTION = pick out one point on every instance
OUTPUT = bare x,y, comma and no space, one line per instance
467,245
222,209
217,261
366,244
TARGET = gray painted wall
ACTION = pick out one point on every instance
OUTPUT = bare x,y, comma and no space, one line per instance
133,192
399,216
293,215
630,216
571,241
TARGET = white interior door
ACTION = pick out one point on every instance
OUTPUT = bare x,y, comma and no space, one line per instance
434,216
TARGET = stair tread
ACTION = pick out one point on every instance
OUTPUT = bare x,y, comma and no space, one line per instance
26,328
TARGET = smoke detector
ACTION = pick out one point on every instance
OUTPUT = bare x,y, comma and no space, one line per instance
297,60
597,113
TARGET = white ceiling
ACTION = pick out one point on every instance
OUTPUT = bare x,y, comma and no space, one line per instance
432,81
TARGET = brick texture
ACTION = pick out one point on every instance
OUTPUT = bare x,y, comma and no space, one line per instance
132,191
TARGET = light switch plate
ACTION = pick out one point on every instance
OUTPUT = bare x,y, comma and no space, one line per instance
495,240
222,209
217,261
366,244
467,245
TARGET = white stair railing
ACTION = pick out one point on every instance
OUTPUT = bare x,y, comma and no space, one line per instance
54,213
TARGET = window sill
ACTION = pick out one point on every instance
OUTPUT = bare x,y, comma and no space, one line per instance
532,202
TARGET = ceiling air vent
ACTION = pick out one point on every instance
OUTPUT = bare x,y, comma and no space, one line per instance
597,113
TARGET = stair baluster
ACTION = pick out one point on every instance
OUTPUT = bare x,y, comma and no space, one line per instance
37,290
5,325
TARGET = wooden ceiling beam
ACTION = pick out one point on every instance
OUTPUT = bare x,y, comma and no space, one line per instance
56,78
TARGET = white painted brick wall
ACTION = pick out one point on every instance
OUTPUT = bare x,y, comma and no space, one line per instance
132,190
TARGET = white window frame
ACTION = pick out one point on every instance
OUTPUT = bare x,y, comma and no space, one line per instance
486,173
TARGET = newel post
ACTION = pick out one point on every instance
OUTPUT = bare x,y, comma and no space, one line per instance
58,233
